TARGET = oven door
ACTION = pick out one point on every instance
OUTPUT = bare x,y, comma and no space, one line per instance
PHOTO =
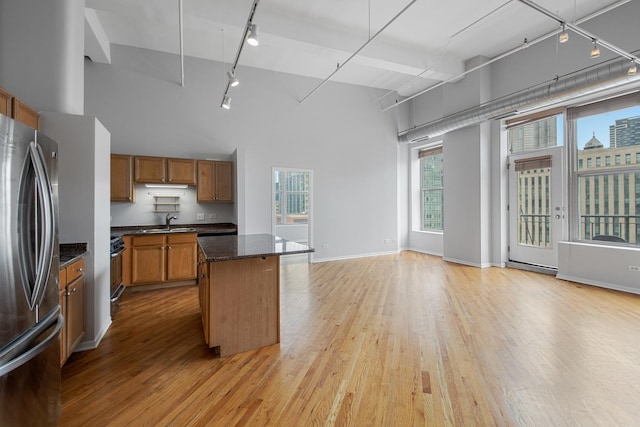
117,288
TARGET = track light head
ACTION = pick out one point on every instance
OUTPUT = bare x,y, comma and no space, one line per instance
226,103
595,52
252,37
633,69
564,36
233,80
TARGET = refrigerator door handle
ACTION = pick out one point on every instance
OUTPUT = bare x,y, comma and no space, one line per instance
46,247
26,339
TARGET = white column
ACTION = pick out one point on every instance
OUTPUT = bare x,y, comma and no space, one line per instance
42,53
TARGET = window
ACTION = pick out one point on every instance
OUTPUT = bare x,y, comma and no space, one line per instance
608,197
431,188
292,197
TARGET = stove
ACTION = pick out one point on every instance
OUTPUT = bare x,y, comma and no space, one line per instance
117,288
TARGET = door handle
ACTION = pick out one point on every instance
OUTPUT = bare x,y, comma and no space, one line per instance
30,336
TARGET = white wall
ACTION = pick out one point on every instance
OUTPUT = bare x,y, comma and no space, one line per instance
84,189
41,53
339,133
141,212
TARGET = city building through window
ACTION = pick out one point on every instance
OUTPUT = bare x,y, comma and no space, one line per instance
608,197
431,189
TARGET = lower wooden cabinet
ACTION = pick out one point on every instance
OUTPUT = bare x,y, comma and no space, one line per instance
160,258
72,292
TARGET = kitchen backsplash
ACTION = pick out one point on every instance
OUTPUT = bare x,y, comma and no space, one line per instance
142,211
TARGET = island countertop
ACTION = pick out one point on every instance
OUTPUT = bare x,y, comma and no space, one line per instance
227,248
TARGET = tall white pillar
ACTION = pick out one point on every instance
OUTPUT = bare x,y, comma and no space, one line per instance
42,53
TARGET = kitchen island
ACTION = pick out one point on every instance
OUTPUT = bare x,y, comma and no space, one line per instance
239,289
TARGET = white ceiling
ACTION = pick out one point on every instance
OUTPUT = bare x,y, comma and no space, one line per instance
310,37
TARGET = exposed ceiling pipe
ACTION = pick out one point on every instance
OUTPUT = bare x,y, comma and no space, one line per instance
181,44
562,90
508,53
358,51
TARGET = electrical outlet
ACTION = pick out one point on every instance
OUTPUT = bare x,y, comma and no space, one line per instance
200,216
325,246
634,268
212,216
388,240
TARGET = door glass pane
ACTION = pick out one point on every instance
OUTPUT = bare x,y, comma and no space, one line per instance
278,179
297,198
534,220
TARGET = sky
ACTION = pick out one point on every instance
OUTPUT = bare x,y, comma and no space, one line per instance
600,125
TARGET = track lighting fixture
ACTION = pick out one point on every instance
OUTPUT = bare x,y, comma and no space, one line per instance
252,37
595,52
233,80
226,103
564,36
633,69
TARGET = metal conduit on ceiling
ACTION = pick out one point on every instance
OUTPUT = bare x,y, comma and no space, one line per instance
563,89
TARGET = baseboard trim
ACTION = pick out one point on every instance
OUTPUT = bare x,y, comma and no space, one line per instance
320,260
604,285
93,344
531,267
463,262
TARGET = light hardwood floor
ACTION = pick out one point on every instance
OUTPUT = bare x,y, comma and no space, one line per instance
396,340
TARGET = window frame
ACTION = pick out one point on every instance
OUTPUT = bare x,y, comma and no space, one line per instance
616,169
424,153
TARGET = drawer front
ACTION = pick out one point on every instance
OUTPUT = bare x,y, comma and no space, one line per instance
182,238
157,239
75,270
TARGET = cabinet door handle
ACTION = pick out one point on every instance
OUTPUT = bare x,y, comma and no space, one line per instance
79,270
73,291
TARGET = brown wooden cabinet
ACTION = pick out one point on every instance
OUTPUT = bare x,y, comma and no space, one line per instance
160,258
5,102
25,114
161,170
215,181
240,303
72,294
148,263
122,178
16,109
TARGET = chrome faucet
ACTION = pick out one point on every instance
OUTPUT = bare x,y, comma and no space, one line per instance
168,219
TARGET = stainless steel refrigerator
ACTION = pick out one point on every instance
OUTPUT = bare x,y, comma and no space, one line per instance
30,319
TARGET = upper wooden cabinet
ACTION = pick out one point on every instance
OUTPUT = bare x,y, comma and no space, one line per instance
13,107
215,181
161,170
5,102
25,114
122,178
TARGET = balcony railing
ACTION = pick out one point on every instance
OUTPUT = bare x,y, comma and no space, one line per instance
535,230
612,228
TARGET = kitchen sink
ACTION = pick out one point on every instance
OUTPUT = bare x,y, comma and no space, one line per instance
168,230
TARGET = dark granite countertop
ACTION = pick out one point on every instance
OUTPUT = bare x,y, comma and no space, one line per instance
201,229
227,248
71,252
